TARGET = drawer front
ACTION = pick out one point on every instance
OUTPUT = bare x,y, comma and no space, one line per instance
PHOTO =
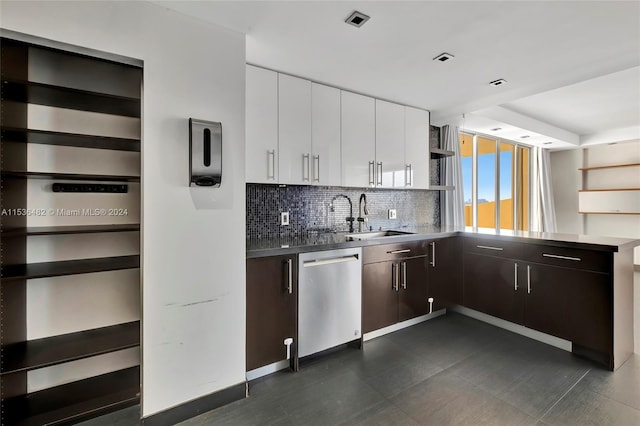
495,247
385,252
587,260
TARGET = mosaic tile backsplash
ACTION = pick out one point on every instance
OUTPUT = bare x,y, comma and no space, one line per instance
314,209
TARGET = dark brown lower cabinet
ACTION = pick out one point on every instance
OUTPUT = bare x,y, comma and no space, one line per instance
493,285
412,291
570,303
272,293
445,273
393,291
379,296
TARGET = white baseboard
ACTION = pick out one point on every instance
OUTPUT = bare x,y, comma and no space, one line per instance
267,369
401,325
519,329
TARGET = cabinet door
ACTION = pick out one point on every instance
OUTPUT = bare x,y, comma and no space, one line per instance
325,135
390,170
416,125
271,308
572,304
294,130
261,125
412,300
379,297
445,278
490,286
358,140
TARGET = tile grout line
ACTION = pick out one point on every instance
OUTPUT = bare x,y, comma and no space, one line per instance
563,395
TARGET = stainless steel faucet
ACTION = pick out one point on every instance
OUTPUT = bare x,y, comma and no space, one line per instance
350,218
362,219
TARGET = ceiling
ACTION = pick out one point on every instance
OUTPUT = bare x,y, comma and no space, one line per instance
572,68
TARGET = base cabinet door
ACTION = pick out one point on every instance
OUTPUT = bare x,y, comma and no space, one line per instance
493,285
379,295
412,292
445,277
272,289
572,304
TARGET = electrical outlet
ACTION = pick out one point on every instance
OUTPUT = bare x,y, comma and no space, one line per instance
284,218
392,214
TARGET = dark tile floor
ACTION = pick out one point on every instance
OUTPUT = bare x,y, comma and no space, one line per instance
450,370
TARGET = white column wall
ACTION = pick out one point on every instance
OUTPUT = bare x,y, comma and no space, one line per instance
193,260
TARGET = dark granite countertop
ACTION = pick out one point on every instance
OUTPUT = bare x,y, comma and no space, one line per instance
317,241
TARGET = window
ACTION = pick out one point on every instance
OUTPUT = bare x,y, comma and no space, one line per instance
495,176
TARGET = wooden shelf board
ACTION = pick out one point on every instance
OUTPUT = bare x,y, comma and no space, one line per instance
610,189
615,166
75,401
440,153
54,350
59,230
65,97
69,267
45,137
627,213
69,176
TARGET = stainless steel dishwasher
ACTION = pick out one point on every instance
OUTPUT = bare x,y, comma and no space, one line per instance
329,299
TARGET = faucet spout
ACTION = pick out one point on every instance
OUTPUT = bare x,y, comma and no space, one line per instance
361,219
350,219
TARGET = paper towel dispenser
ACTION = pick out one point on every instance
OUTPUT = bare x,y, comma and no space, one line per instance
205,153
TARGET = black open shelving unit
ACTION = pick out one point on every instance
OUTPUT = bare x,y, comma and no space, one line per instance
89,397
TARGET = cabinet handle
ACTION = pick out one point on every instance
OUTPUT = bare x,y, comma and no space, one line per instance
528,279
433,253
271,153
408,178
491,248
556,256
404,275
305,159
394,268
399,251
316,168
290,270
372,173
515,277
380,173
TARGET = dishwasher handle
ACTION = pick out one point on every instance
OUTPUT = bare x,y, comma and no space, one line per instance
330,261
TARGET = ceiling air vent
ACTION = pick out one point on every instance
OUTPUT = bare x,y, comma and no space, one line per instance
495,129
443,57
525,137
498,82
357,19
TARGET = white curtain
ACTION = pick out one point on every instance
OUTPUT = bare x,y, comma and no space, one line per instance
453,208
543,212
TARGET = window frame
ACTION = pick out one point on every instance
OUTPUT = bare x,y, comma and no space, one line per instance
517,175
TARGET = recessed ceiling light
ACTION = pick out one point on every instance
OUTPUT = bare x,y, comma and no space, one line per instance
524,137
357,19
444,57
495,129
498,82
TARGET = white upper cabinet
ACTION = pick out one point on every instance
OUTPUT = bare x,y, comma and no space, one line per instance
294,129
416,122
325,135
390,145
261,158
358,140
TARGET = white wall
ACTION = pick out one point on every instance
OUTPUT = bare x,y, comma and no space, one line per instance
567,180
193,288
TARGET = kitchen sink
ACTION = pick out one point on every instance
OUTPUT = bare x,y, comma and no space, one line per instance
375,234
